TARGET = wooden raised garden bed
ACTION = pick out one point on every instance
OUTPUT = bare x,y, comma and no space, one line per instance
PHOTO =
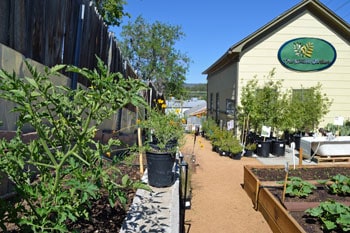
260,180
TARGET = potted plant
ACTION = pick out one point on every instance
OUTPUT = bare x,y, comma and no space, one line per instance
226,144
260,103
164,136
235,148
249,149
208,125
306,108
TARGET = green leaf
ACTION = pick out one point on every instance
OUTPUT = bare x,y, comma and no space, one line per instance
32,82
18,93
125,181
329,225
57,68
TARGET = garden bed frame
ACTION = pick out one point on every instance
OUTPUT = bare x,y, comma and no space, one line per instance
276,215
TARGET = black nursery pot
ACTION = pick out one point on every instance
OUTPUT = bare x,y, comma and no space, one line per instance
263,148
278,147
297,139
248,153
236,156
160,169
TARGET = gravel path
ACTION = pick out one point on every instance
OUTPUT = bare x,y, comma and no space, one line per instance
219,203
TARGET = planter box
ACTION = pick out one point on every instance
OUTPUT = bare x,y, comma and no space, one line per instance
275,213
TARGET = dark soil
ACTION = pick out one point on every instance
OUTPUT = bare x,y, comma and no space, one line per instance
309,223
317,173
103,218
321,194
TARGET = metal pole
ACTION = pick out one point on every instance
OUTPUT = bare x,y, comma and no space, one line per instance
184,165
77,46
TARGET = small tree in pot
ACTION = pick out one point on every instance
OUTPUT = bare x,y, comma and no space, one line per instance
264,105
306,108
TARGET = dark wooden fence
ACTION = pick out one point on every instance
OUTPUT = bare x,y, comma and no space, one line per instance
60,32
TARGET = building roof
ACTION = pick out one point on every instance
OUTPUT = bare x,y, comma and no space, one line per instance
173,103
315,7
197,110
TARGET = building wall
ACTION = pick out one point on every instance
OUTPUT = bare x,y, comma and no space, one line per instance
261,58
224,83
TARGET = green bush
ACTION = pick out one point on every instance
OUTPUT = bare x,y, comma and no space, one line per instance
65,159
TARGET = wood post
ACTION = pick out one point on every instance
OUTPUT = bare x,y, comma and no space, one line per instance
140,150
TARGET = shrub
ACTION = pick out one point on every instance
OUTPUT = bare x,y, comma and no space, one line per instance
68,162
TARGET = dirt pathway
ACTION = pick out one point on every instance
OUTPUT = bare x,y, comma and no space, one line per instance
219,203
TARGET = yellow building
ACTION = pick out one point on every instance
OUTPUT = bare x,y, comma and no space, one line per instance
311,26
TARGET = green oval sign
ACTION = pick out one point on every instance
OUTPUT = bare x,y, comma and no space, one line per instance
307,54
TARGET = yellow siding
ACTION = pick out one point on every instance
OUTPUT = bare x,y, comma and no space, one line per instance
262,58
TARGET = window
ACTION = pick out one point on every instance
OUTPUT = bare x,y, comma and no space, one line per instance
301,94
230,106
217,106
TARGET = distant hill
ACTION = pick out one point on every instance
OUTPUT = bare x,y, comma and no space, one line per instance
194,84
196,90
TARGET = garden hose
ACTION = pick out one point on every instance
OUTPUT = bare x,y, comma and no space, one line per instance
313,155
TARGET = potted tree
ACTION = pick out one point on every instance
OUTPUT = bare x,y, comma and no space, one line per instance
164,136
306,107
260,104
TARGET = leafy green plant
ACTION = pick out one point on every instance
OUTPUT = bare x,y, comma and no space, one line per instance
298,109
343,130
261,102
333,215
340,185
298,187
306,107
166,130
208,127
250,146
58,174
226,141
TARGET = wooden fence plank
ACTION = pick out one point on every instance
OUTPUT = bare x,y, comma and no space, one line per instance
46,31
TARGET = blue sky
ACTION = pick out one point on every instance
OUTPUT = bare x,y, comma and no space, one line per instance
211,27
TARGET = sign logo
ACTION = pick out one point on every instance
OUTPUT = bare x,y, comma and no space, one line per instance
307,54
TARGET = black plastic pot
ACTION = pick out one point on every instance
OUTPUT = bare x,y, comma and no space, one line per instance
278,147
236,156
248,153
297,138
160,169
263,148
